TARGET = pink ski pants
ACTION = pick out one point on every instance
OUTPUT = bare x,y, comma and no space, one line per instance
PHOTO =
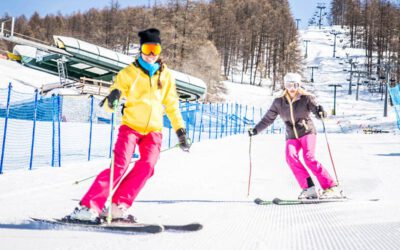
307,144
130,186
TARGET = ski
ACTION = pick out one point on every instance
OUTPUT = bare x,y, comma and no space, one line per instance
168,227
125,226
278,201
131,220
191,227
115,227
259,201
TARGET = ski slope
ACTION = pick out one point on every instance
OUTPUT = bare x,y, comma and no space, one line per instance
209,184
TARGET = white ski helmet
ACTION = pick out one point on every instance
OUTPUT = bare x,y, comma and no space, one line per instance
292,77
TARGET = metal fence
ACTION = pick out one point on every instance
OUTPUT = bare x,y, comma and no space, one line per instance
40,130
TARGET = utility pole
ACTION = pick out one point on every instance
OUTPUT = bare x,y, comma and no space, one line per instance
335,33
297,23
358,85
312,71
334,96
358,81
306,54
352,65
320,6
387,68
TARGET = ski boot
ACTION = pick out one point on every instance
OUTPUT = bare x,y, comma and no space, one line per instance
119,213
308,193
333,193
83,215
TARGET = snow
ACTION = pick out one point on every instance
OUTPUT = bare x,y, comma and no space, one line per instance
24,79
209,184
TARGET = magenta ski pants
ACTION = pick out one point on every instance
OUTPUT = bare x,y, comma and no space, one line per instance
307,145
130,186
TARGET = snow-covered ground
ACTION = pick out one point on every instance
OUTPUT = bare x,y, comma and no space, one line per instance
209,185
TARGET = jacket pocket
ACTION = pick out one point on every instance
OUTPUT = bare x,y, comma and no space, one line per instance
305,124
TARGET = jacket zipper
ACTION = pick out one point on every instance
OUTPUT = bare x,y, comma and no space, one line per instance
292,117
151,107
304,124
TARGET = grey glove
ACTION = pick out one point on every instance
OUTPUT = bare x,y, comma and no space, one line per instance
321,113
184,141
252,132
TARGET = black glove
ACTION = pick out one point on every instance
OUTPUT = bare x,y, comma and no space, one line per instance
321,113
114,95
122,109
252,132
184,142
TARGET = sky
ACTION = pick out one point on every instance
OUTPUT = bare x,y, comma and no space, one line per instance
43,7
302,9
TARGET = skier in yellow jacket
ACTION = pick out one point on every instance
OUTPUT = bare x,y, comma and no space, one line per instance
149,89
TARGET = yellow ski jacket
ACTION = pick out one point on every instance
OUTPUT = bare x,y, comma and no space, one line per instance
145,102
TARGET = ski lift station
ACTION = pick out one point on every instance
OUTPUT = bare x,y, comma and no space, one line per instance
84,66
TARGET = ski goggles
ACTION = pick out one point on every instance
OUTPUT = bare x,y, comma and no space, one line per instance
294,85
151,48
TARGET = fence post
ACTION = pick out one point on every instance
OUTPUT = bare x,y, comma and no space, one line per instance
112,134
245,120
226,119
231,119
209,123
91,126
194,121
53,130
5,127
201,120
216,124
34,128
236,117
222,120
59,128
187,119
240,118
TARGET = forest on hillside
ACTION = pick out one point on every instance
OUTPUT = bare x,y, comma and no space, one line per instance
255,39
374,25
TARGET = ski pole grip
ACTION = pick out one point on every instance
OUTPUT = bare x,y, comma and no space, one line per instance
115,104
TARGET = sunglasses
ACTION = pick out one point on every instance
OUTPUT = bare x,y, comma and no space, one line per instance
294,85
151,48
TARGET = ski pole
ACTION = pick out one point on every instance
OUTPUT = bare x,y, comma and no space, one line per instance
126,172
329,150
90,177
114,189
85,179
109,216
248,187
